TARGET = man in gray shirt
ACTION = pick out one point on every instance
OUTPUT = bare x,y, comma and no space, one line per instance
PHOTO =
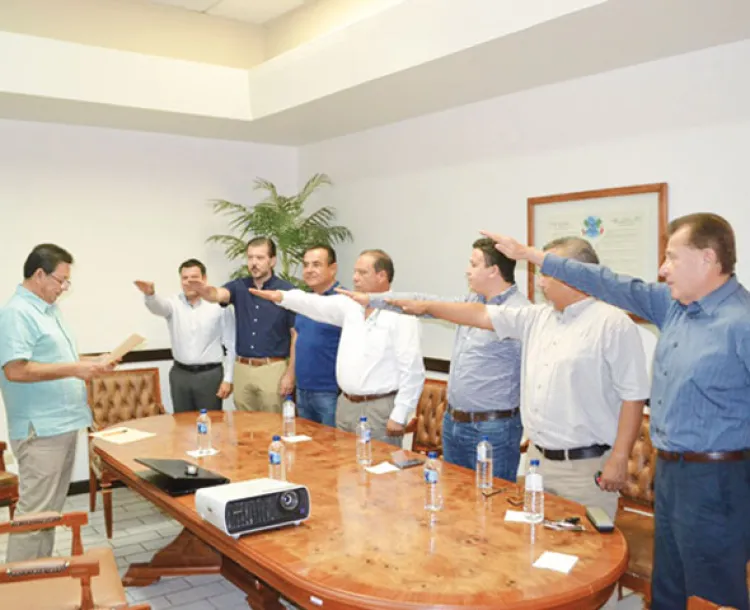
485,373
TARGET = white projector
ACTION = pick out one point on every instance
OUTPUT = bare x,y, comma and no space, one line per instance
251,506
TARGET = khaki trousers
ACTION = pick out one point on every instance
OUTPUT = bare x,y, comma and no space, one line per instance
574,479
45,465
378,412
256,388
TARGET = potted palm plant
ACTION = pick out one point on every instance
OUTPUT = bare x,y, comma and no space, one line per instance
281,218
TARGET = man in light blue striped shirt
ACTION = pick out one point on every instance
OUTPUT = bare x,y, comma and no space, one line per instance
43,391
700,404
485,373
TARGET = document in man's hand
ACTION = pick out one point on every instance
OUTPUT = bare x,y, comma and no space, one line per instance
126,346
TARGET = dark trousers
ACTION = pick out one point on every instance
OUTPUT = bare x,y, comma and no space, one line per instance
317,406
195,391
702,538
460,442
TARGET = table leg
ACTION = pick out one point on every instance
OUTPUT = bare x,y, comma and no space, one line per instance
186,555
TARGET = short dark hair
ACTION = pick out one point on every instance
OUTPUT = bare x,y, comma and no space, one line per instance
492,256
710,231
193,262
45,257
331,252
260,241
382,262
576,248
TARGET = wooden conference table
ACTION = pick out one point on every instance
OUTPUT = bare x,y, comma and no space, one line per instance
368,542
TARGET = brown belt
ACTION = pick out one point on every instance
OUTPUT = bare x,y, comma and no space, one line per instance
367,397
471,417
711,456
258,361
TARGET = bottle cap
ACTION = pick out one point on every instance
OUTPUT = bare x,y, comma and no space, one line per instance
204,411
486,438
362,418
276,437
432,455
535,462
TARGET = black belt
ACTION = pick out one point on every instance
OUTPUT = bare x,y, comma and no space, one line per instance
197,368
579,453
709,456
473,417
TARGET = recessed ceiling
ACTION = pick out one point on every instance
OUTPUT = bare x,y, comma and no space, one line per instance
250,11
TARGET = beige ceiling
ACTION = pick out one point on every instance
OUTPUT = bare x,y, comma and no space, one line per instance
251,11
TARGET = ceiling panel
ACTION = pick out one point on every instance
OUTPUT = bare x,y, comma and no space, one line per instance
254,11
191,5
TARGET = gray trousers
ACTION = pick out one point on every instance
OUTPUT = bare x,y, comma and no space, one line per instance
45,465
378,412
195,391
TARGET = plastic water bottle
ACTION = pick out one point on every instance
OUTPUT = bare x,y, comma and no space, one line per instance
364,442
276,459
484,464
533,503
433,500
288,413
203,426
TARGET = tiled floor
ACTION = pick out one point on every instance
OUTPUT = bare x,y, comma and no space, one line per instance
141,530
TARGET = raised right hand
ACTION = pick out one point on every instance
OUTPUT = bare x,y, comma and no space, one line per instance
146,288
358,297
410,306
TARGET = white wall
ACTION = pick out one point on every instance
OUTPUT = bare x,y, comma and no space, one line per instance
423,188
128,206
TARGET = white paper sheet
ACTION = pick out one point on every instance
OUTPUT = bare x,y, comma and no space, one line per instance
559,562
196,453
122,435
516,516
297,438
382,468
126,346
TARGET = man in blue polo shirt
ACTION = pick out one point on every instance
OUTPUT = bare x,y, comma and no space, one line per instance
264,367
317,344
43,390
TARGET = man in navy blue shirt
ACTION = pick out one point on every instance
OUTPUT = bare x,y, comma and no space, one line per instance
700,404
264,367
316,343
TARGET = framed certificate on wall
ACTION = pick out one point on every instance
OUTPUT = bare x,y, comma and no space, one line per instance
626,226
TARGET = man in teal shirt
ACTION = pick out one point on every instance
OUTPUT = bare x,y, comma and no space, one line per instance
43,389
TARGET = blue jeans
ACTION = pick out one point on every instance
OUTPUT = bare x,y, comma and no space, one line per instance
702,535
460,444
317,406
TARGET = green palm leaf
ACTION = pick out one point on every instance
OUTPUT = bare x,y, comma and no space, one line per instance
282,219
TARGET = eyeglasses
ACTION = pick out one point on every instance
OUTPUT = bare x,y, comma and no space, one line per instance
64,284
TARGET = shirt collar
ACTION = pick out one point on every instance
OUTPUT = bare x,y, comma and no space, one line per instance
575,309
499,299
332,289
183,298
35,300
712,300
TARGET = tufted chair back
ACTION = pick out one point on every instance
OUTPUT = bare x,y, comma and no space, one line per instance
115,398
641,465
427,425
120,396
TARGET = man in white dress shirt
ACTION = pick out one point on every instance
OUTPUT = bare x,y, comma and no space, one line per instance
379,366
583,381
198,329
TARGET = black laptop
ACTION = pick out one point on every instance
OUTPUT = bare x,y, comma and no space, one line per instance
178,477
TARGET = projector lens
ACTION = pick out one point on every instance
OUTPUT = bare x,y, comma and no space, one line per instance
289,500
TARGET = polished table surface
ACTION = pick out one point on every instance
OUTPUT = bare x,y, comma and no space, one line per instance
369,542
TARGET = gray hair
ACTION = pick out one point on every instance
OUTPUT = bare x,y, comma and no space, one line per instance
575,248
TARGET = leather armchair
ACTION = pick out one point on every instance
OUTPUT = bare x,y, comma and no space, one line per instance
635,515
8,484
82,581
427,423
115,398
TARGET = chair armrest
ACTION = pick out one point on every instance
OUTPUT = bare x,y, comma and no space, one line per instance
53,567
3,447
411,427
40,521
525,446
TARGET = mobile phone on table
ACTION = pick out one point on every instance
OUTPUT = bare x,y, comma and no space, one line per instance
402,461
